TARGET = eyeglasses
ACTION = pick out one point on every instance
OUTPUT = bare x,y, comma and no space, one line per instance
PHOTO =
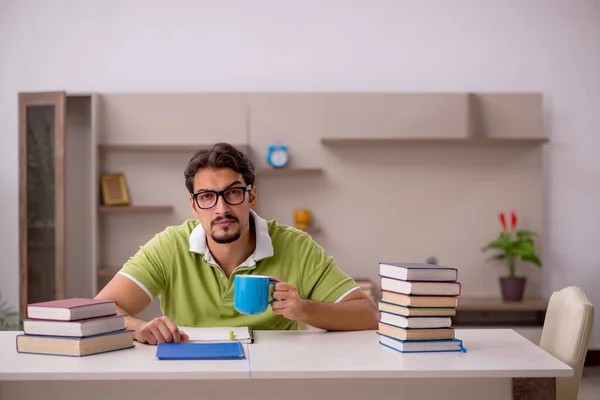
206,199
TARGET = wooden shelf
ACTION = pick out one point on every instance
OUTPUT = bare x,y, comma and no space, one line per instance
159,148
134,209
288,171
477,304
340,142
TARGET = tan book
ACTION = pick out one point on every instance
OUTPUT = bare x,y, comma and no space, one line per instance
417,311
416,334
418,301
74,346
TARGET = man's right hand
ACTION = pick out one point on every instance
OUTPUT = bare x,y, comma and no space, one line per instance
159,330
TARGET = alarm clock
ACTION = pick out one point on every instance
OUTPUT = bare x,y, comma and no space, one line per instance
277,156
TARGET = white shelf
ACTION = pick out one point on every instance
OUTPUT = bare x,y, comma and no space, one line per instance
288,171
474,141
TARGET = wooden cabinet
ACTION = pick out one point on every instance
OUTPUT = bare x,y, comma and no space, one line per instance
42,197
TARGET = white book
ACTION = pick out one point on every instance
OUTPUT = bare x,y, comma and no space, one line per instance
81,328
421,288
418,272
415,322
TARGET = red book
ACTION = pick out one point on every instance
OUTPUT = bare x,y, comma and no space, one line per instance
71,309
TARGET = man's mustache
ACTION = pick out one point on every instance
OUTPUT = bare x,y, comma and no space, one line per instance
224,217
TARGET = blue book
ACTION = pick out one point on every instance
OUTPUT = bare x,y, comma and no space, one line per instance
422,346
200,351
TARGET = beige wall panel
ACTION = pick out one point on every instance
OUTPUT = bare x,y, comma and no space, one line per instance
173,118
371,115
401,202
508,115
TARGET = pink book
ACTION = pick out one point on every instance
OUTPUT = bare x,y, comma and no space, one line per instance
71,309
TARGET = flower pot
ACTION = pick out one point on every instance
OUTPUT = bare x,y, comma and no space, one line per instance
512,288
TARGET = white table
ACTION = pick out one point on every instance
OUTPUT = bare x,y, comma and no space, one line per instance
290,365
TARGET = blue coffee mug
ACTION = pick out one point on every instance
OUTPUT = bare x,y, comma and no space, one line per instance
251,293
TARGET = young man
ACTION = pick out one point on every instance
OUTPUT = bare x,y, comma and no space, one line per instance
192,266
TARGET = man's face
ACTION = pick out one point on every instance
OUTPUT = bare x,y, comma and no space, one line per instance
223,222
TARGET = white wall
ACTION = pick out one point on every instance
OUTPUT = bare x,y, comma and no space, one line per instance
549,46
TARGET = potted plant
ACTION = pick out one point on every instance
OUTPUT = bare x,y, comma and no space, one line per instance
513,245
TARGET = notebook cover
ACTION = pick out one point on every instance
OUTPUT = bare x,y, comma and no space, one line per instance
70,303
418,266
200,351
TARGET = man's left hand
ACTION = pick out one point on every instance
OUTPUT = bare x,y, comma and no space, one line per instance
287,301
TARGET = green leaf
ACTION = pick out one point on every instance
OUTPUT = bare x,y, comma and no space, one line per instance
496,245
497,257
533,259
526,249
525,234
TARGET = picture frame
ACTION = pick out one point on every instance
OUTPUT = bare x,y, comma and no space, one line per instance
114,190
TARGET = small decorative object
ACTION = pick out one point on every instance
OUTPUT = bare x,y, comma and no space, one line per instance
302,218
513,245
431,260
114,190
278,156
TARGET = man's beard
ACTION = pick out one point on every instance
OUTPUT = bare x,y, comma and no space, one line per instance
226,237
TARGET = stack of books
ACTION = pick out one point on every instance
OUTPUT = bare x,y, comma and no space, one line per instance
73,327
416,306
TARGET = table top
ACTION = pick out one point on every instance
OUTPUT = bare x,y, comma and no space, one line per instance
139,363
491,353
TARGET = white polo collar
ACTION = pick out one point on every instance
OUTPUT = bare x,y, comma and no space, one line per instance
264,245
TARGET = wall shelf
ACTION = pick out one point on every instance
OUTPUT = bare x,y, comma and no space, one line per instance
476,304
474,141
134,209
158,148
290,171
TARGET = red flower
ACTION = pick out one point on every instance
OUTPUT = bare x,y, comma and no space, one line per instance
513,220
503,221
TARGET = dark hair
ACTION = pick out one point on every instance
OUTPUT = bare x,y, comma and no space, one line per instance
221,155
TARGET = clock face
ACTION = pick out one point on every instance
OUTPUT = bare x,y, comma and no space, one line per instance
279,158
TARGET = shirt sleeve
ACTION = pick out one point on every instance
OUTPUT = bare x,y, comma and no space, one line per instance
148,267
321,279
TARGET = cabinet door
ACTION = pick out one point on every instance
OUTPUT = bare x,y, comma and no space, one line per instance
41,197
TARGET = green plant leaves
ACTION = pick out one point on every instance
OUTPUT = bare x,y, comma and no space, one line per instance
9,319
512,246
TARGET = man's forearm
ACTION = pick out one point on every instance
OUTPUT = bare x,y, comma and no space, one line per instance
356,314
130,322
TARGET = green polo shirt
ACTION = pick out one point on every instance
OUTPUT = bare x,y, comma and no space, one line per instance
176,265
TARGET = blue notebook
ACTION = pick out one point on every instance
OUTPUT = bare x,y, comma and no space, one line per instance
200,351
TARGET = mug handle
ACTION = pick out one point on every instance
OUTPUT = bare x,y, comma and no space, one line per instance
272,282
